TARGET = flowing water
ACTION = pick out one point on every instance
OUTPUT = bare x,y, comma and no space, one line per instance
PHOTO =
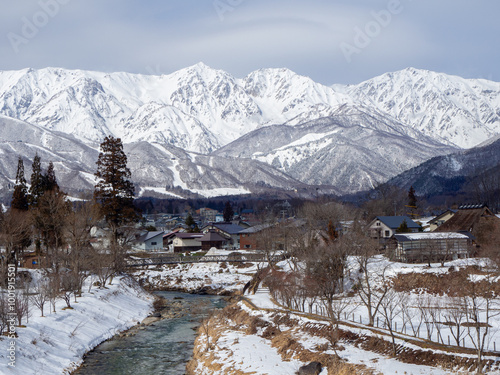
162,348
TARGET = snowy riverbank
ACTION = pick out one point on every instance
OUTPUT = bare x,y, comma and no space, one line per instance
256,335
56,343
222,278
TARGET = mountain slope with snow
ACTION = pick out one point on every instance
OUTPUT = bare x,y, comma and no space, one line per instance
74,161
464,112
164,169
478,166
352,150
169,170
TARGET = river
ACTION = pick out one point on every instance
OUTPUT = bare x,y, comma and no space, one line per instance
162,348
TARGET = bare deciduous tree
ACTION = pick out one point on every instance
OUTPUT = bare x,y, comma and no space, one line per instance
371,287
40,294
411,316
78,227
455,317
390,308
21,307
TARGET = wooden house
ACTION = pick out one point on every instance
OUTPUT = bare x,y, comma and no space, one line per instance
186,242
477,221
384,227
229,231
212,239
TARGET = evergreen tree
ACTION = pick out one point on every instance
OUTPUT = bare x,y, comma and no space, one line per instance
37,187
50,181
191,224
412,198
403,228
114,192
20,195
228,212
412,202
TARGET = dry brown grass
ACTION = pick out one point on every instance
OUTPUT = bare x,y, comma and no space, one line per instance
452,283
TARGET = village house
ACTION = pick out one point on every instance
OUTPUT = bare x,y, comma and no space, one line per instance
384,227
186,242
168,239
441,219
227,230
212,239
476,221
249,236
207,214
468,218
150,241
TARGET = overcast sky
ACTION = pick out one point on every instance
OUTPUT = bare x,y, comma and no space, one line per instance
331,41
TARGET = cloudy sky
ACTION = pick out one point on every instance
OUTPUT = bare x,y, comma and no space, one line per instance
331,41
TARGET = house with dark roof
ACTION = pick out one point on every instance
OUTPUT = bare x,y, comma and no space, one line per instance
168,239
186,242
476,221
212,239
384,227
150,241
229,231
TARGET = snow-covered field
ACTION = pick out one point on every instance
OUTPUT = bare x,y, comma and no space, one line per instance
56,343
238,350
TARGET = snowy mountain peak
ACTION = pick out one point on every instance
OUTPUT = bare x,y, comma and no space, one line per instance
464,112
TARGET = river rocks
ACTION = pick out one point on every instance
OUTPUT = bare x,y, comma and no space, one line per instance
150,320
313,368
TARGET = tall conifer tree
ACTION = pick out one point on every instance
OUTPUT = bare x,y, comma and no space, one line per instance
37,187
20,195
114,191
50,180
228,212
412,201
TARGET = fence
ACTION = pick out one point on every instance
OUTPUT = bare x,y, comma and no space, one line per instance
441,333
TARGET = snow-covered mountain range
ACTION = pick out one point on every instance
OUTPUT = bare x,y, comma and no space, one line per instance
463,112
195,126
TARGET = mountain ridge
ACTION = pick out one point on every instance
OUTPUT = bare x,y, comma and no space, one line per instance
379,127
